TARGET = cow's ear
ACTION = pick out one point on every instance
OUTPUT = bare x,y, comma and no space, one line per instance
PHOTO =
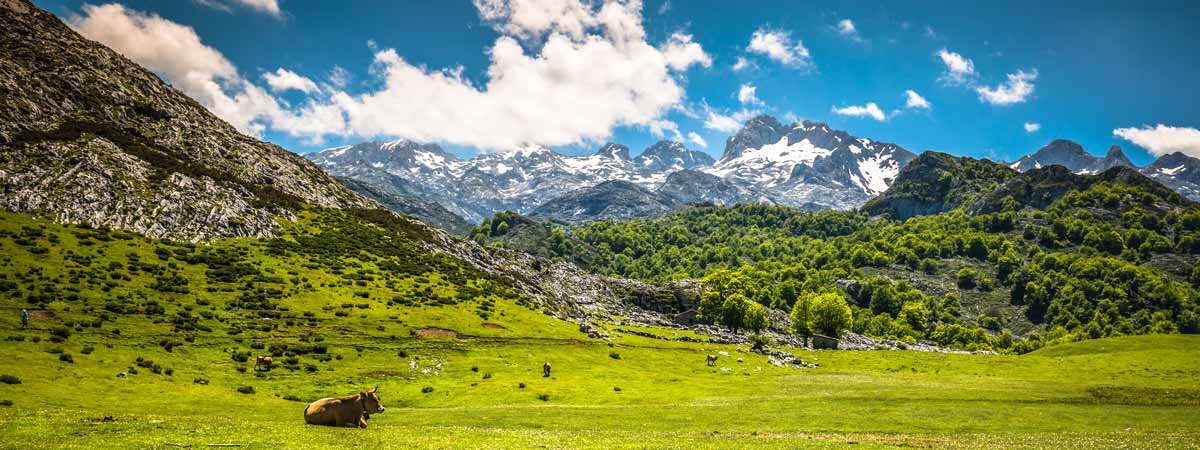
374,390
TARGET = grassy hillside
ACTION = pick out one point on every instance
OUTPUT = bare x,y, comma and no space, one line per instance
461,368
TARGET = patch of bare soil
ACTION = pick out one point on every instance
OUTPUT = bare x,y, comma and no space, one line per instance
436,332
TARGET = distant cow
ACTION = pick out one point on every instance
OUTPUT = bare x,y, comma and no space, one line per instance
348,411
263,361
546,370
711,360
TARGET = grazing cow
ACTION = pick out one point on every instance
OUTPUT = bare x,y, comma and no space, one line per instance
546,370
348,411
263,361
711,360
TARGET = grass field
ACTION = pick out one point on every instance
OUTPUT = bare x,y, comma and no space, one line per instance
467,373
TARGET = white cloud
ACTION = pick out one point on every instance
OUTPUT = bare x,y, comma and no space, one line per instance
1162,139
269,7
959,70
747,94
1016,90
714,120
660,128
283,80
869,110
583,71
664,7
1032,127
266,6
697,139
915,100
778,46
339,77
681,52
846,28
741,64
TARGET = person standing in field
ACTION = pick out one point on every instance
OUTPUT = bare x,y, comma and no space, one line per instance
24,318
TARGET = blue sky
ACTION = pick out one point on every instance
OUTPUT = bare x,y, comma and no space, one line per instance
1100,66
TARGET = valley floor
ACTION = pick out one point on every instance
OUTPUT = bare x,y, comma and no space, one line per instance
1132,392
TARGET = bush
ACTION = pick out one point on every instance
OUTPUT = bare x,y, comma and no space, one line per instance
427,389
544,397
246,389
9,379
614,355
67,358
6,403
87,350
293,398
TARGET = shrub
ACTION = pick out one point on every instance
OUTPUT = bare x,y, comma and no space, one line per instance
521,386
246,389
614,355
427,389
87,350
240,356
67,358
544,397
293,398
6,403
9,379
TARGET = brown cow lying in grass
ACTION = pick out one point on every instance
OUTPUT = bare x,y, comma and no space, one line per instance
348,411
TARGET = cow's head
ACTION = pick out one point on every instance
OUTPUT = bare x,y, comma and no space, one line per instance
371,402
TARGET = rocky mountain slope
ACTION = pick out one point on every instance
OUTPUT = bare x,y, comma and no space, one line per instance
1071,155
1177,171
88,136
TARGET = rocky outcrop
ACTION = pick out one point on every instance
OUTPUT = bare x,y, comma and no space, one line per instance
88,136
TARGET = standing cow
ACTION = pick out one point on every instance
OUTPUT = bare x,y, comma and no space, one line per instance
546,370
348,411
711,360
264,361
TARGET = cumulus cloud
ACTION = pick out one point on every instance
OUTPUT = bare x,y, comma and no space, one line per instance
959,70
846,28
869,110
779,46
283,80
1033,127
1162,139
697,139
747,94
915,100
562,72
681,52
715,120
1016,89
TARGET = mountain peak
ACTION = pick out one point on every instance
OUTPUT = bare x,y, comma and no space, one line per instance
1071,155
758,131
614,151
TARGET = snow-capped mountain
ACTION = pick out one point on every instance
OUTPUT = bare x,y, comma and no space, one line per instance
1177,171
1072,156
805,164
518,179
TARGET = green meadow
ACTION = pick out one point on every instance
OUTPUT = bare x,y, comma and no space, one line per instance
458,359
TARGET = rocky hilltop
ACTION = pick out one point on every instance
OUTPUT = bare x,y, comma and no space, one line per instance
88,136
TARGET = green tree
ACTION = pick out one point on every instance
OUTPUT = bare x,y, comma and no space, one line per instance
733,311
830,314
755,317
